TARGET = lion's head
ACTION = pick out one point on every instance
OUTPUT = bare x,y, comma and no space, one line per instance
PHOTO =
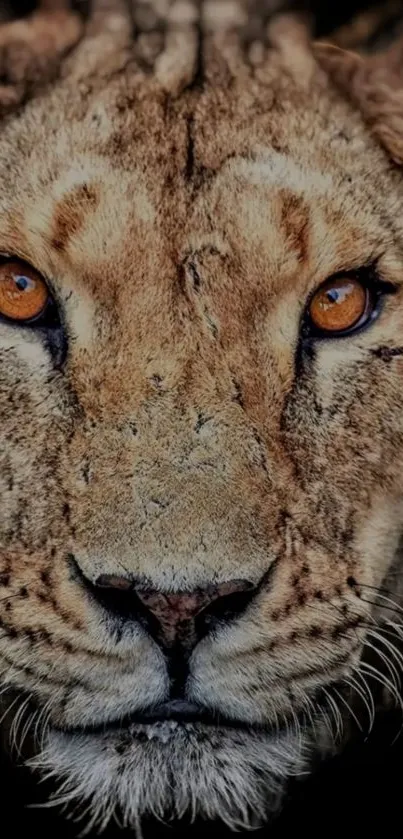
201,379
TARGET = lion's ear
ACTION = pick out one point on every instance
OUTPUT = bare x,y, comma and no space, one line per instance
375,85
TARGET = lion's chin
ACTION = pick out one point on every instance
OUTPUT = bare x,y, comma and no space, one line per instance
170,770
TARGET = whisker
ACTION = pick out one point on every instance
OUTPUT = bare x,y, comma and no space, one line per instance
17,719
388,600
349,709
382,680
388,664
397,628
364,693
10,597
43,722
388,608
379,636
8,709
379,589
337,716
27,727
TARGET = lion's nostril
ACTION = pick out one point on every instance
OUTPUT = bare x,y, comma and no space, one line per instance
173,617
176,613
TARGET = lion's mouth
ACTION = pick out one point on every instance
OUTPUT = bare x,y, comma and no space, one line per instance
173,714
177,715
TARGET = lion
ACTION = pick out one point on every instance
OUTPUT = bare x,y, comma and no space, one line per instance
201,379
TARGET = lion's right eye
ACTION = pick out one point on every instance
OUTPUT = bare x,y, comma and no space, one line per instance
341,305
24,295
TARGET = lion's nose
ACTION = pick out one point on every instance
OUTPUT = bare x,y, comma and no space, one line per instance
174,617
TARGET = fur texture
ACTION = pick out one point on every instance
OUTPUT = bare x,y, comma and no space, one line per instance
184,181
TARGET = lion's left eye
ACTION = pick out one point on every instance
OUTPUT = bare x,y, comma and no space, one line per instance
342,304
24,295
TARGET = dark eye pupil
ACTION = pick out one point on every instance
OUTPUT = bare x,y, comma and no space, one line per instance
332,295
22,283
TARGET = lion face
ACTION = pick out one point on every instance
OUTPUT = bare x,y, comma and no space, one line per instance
201,490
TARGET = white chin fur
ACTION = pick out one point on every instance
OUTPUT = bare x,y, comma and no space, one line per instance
168,771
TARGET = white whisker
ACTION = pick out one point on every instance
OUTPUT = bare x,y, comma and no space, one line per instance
349,708
379,677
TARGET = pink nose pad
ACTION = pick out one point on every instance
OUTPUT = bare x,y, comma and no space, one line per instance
174,614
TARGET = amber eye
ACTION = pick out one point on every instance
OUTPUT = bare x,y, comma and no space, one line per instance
23,293
339,305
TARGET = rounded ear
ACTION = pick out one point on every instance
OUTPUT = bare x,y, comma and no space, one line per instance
375,85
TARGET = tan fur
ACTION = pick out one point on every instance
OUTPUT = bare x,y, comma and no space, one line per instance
184,190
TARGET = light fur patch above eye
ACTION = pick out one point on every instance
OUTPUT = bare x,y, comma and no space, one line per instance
277,169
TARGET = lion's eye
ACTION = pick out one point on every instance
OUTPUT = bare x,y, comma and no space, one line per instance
340,305
24,295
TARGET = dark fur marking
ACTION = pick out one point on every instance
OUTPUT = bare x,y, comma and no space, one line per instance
315,632
387,353
340,630
202,419
157,382
190,152
45,578
71,213
262,451
85,471
312,672
238,396
133,428
352,582
295,222
68,619
29,671
196,278
8,630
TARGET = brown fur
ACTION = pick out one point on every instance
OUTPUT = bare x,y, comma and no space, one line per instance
184,190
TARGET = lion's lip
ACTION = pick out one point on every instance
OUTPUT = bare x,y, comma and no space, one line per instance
175,711
178,710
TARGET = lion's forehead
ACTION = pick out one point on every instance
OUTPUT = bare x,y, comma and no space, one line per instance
136,181
100,222
199,224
